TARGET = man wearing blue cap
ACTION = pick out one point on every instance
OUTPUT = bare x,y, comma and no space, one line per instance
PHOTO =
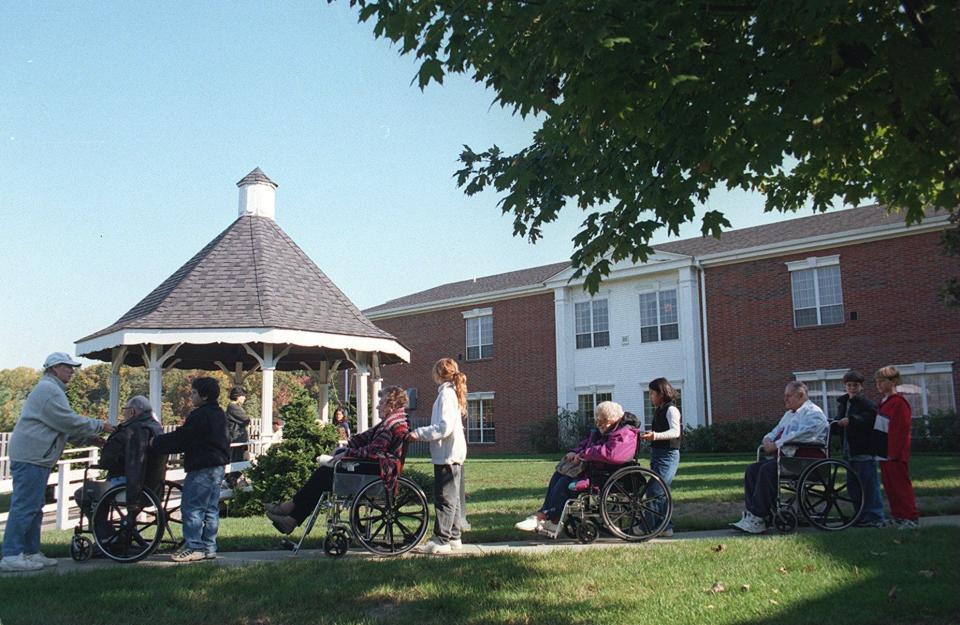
45,425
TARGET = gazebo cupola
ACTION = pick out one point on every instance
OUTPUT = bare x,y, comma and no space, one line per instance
250,300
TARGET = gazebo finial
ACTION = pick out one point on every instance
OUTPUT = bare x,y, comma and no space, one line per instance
257,195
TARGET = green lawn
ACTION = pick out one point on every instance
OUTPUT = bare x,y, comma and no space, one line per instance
849,578
707,494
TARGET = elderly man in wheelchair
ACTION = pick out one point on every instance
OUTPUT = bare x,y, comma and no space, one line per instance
387,513
125,512
798,465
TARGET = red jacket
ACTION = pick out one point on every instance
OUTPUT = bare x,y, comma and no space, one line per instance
897,410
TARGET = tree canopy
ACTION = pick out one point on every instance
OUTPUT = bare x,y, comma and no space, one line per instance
648,107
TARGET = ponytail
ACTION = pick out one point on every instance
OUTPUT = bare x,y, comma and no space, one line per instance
446,370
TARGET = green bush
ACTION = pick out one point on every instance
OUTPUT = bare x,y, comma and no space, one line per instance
736,436
279,473
938,431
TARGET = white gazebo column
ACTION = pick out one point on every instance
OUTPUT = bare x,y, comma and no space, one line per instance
363,410
376,384
268,364
322,375
155,358
119,353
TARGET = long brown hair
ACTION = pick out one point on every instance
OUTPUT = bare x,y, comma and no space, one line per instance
447,370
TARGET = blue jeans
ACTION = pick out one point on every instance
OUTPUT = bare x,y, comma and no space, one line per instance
22,534
664,462
557,495
866,469
200,508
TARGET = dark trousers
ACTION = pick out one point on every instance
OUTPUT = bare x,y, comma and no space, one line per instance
896,483
557,495
446,498
760,487
307,497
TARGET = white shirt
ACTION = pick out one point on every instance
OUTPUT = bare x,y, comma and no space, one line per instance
807,424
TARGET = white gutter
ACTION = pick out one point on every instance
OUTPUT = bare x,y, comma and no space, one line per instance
706,340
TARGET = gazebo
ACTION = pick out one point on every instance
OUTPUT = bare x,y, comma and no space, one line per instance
250,300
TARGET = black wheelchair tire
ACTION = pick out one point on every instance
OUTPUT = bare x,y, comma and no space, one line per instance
825,495
624,510
389,524
114,533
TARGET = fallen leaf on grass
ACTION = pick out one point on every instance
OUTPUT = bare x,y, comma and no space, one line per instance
774,602
856,571
745,588
897,541
718,548
776,591
893,593
783,570
927,574
808,568
710,606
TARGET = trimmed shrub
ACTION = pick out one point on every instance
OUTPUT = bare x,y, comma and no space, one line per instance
736,436
938,431
279,473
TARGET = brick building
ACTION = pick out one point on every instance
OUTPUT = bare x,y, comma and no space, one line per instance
727,321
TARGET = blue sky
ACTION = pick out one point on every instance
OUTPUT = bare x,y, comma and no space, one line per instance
124,128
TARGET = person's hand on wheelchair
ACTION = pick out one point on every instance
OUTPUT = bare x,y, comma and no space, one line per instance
411,436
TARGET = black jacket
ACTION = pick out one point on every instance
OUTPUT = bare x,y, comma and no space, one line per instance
127,453
862,412
202,439
237,422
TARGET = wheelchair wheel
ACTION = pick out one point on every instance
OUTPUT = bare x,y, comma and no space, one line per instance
830,494
635,504
336,543
172,496
388,523
570,527
785,520
124,537
81,548
587,531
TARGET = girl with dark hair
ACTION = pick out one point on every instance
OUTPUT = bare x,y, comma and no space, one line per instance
203,441
665,435
448,451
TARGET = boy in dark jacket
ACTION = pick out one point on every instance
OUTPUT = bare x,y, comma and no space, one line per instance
206,449
855,415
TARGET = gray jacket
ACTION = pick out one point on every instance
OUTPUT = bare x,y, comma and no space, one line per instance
46,424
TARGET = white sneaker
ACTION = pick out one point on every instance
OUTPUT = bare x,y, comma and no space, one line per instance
456,544
530,524
435,547
750,523
40,559
186,554
17,564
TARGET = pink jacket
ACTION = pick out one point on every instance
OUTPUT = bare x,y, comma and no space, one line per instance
617,446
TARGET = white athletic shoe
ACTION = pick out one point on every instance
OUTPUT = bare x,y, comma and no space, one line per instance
456,544
750,523
40,559
18,564
435,547
530,524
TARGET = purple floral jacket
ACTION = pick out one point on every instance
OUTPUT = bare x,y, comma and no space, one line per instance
617,446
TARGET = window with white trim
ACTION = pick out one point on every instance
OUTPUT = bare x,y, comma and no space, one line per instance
658,316
928,387
480,421
587,402
817,295
648,407
592,324
479,333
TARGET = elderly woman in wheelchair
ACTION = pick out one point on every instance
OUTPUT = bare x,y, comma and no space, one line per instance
598,484
387,513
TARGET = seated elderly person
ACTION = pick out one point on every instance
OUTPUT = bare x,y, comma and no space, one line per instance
612,442
802,423
127,458
383,442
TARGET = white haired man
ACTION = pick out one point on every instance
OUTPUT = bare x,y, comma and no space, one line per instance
802,423
45,425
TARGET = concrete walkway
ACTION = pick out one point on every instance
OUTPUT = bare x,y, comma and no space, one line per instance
534,546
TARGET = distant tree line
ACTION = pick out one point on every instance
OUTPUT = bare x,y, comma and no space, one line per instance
89,390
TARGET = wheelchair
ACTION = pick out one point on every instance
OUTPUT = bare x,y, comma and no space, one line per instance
121,536
631,502
360,509
811,485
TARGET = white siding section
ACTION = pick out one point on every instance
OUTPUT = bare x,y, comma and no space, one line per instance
627,365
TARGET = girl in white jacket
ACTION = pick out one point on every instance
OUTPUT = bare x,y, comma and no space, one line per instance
448,451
